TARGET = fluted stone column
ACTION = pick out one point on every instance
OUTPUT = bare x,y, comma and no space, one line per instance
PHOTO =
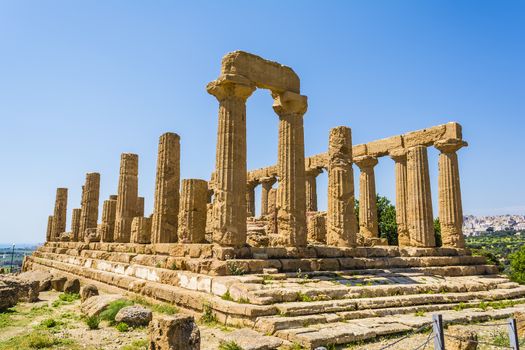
75,224
311,188
59,214
250,198
49,228
316,223
266,186
229,207
193,211
368,221
140,206
127,197
341,221
419,200
89,205
400,158
107,227
272,210
291,196
450,207
140,230
167,183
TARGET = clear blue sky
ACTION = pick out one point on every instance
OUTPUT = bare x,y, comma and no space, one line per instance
83,81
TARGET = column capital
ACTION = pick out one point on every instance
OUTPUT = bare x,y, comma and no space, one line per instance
231,85
251,184
364,162
268,180
313,172
289,103
398,154
450,145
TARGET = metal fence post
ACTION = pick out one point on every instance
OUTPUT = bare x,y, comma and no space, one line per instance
439,336
513,334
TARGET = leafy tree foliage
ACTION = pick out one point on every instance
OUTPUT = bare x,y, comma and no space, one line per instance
386,213
437,232
517,265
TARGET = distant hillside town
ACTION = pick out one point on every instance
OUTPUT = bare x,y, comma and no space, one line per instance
476,225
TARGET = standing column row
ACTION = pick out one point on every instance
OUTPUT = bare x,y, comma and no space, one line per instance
127,197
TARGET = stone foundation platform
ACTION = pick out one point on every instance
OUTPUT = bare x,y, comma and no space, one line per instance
313,296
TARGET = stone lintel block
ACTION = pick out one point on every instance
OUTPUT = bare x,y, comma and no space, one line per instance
453,131
359,150
424,137
382,147
264,73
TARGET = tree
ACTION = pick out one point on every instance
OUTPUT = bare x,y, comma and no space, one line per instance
517,265
437,232
386,214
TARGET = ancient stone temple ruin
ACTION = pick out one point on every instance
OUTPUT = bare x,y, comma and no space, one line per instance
303,275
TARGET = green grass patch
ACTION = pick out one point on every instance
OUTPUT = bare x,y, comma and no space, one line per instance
231,345
419,313
38,339
141,344
92,322
122,327
227,296
304,297
5,319
113,309
162,308
49,323
208,317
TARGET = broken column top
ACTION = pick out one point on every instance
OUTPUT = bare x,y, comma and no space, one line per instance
264,73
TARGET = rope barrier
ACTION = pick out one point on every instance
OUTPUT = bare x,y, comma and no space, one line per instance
407,335
422,346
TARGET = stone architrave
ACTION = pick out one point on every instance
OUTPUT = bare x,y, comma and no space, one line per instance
89,205
140,230
368,220
127,197
311,188
193,211
400,158
341,221
291,193
266,186
167,183
49,228
450,207
229,206
250,198
107,227
75,224
419,199
59,215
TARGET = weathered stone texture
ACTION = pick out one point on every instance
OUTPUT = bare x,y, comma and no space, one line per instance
88,291
49,229
59,215
460,338
341,221
75,224
316,222
193,211
419,204
368,220
250,198
127,196
107,226
266,186
89,204
178,332
291,196
400,159
140,206
141,230
167,182
311,188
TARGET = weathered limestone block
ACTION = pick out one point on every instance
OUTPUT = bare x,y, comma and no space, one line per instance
193,211
107,226
127,197
249,339
178,332
311,188
167,182
368,221
461,338
59,215
72,285
25,290
88,291
95,305
135,316
42,277
450,206
49,228
291,193
229,206
256,234
341,221
75,224
8,296
91,235
520,323
400,159
58,282
89,204
419,203
316,227
141,230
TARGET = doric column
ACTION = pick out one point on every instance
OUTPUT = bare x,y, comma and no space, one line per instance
140,230
419,199
311,188
89,204
193,211
316,223
229,208
272,210
140,206
59,214
250,198
291,197
341,222
400,158
266,186
107,227
368,221
127,196
450,207
167,183
49,228
75,224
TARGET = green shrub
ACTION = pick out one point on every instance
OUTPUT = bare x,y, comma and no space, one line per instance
517,265
304,297
49,323
113,309
208,317
231,345
162,308
93,322
5,320
69,297
227,296
141,344
122,327
40,340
